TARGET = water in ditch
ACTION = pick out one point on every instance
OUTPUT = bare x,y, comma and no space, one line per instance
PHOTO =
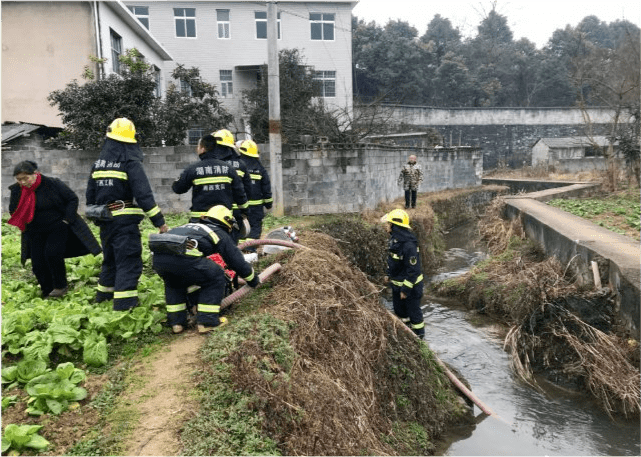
556,422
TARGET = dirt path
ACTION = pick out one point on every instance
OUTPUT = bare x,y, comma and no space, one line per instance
162,398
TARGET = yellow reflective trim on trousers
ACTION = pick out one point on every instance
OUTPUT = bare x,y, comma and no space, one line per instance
256,177
408,284
419,279
212,180
106,289
128,212
197,213
250,277
193,288
268,200
176,308
208,308
194,253
417,326
109,174
240,173
255,202
125,293
397,283
395,256
153,211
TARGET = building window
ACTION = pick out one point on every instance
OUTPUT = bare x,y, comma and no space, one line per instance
185,22
142,13
226,84
195,135
326,81
261,24
116,50
157,90
185,87
222,16
322,26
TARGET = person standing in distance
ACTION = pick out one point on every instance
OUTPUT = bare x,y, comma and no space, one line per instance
260,192
404,270
410,178
213,182
118,181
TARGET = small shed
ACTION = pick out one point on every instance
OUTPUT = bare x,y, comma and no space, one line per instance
552,151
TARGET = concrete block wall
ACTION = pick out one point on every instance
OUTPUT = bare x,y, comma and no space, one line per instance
317,179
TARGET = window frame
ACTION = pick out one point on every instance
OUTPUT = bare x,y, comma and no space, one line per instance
322,22
115,38
323,77
264,20
185,18
185,87
140,16
191,133
224,23
157,79
226,84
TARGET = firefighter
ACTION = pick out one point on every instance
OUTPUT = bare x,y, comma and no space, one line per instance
225,150
214,182
119,185
404,270
181,271
260,193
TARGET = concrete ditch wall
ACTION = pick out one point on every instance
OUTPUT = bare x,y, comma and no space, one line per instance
318,178
576,242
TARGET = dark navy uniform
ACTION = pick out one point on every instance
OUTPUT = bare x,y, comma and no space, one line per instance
214,183
118,176
181,272
404,271
228,155
260,195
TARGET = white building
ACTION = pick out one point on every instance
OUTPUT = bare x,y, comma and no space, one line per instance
227,41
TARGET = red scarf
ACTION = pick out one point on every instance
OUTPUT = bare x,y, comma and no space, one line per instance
26,206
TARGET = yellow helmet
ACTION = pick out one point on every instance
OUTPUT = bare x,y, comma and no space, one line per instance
249,148
224,137
223,215
397,217
122,129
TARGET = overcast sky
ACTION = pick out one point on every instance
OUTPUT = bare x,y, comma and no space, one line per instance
535,20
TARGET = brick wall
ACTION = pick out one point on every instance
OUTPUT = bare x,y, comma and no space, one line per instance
319,178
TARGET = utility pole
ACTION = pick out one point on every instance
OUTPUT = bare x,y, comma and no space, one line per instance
273,88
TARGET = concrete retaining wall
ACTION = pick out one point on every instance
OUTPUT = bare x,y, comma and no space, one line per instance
319,178
576,242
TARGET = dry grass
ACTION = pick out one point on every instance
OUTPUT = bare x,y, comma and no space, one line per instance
341,396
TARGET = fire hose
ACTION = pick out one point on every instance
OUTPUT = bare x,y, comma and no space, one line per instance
276,267
252,243
240,293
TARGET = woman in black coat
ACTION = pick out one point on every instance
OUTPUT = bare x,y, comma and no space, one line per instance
45,210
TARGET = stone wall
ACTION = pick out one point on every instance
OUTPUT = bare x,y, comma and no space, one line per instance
505,135
319,178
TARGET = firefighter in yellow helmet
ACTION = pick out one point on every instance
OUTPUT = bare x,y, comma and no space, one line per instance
260,192
404,270
225,150
118,184
180,258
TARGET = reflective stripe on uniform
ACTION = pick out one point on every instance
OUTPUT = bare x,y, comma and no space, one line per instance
193,288
268,200
153,211
128,212
194,253
397,283
255,202
417,326
125,293
197,213
250,277
212,180
243,206
395,256
212,234
109,174
176,308
102,288
408,284
208,308
256,177
240,173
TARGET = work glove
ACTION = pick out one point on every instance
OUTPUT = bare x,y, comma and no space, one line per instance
254,282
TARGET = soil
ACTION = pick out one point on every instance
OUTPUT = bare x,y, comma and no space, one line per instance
162,399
